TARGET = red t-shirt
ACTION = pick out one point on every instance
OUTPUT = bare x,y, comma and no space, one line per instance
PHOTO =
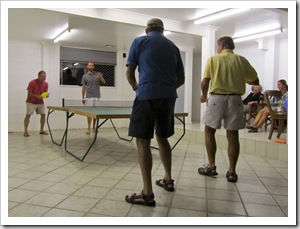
37,88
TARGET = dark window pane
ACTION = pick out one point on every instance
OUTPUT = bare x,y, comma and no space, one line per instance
71,73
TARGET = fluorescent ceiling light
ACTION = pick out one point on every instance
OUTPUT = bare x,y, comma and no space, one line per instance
258,35
209,11
65,68
62,35
222,14
257,29
75,64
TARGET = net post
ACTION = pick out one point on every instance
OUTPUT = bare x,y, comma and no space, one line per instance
63,102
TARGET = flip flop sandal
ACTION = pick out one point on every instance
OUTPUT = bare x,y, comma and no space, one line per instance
141,199
168,185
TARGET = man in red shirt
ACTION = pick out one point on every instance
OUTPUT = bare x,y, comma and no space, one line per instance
35,102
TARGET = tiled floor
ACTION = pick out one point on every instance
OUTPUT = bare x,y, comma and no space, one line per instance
45,181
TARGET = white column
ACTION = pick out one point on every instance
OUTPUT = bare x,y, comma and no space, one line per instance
270,73
188,84
208,49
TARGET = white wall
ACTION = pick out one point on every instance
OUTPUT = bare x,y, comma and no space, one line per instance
256,58
283,59
26,59
269,68
24,62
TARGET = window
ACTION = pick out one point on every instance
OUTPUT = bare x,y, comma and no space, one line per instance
71,73
73,62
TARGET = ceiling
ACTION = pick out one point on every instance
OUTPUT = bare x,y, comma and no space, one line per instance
89,31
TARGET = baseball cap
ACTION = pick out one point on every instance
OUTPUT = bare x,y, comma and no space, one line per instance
155,22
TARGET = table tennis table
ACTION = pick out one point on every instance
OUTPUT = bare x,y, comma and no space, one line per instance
99,112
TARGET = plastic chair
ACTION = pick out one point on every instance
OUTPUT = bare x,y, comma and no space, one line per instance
274,115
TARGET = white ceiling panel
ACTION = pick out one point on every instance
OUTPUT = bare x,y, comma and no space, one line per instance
87,31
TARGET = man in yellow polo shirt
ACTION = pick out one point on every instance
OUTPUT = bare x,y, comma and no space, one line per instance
228,73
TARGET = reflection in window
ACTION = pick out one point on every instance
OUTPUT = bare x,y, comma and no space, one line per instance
71,73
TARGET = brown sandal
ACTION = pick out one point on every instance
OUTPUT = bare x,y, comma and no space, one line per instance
168,185
144,200
231,177
43,133
206,170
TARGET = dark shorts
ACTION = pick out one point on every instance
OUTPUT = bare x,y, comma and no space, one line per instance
148,115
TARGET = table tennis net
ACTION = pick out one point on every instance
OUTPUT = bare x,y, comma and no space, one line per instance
95,102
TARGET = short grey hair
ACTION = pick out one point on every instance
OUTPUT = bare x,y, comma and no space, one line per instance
259,86
226,42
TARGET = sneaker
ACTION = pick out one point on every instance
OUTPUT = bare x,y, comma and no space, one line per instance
206,170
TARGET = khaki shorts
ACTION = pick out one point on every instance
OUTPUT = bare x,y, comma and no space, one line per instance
38,108
224,107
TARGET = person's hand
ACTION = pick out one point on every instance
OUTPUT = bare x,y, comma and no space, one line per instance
203,99
48,95
100,75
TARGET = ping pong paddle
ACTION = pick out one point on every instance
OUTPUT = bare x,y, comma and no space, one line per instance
44,94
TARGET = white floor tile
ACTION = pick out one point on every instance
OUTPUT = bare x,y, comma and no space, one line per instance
48,182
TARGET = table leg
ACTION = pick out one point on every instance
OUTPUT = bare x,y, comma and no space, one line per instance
48,124
129,140
95,138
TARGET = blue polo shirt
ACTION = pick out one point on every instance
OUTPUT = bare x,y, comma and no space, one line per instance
159,61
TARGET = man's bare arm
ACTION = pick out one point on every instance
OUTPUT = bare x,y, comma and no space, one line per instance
130,75
204,89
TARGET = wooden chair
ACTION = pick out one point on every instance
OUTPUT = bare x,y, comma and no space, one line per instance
251,113
274,115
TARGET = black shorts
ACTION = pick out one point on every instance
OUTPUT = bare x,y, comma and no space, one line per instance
148,115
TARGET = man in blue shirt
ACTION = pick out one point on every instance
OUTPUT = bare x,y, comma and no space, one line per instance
161,72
